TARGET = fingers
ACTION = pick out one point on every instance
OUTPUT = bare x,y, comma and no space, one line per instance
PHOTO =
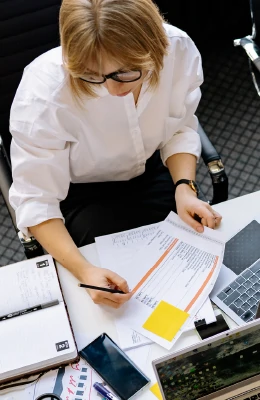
117,280
218,218
112,280
209,217
203,215
194,223
114,300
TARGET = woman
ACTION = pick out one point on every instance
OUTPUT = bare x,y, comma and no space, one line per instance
103,127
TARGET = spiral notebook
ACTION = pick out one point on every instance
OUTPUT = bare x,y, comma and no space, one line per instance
35,330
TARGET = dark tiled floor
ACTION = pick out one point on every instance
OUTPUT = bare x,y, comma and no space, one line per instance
230,114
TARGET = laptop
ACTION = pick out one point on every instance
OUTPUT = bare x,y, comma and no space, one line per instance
222,367
238,295
237,289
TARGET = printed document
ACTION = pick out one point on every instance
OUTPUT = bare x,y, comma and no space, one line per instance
118,249
130,339
72,382
171,276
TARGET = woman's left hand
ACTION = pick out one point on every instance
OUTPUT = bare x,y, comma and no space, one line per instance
189,207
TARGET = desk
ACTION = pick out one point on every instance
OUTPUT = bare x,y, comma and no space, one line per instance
90,320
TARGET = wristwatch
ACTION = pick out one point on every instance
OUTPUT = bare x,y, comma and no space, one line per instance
193,185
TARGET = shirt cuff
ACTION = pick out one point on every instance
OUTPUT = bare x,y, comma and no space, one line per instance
33,213
183,142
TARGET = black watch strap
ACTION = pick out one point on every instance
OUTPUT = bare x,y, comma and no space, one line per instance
193,185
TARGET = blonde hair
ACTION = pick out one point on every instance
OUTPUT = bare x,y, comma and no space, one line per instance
129,32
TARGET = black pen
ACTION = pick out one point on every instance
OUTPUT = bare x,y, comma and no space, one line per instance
29,310
103,289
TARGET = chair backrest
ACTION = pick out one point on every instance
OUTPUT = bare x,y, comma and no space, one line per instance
255,14
28,28
210,23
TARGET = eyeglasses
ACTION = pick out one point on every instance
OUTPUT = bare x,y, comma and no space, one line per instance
118,76
49,396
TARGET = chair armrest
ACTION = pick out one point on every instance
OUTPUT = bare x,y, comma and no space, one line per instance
31,247
5,183
216,168
251,48
209,153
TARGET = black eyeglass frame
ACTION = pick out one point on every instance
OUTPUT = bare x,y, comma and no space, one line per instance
113,76
49,396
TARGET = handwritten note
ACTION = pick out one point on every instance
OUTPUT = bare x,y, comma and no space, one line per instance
118,249
31,284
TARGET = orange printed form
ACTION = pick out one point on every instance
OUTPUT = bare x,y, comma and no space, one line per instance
177,270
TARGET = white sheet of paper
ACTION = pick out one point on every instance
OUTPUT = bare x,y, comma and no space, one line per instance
179,266
130,339
205,312
31,285
139,356
119,248
71,382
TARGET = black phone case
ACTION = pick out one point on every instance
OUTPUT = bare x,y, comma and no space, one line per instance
243,249
83,354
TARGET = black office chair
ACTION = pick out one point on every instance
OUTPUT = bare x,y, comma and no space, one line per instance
28,29
251,44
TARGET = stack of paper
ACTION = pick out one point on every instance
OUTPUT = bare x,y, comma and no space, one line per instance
171,270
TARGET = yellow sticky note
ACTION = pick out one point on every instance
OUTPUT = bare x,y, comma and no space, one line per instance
156,391
165,320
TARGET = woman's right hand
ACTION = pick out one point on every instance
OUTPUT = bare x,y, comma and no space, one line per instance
103,277
55,238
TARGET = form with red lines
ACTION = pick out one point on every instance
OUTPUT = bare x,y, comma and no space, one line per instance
171,277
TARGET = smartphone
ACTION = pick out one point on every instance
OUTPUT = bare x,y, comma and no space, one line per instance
114,367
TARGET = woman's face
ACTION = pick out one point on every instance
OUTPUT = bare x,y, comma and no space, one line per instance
116,88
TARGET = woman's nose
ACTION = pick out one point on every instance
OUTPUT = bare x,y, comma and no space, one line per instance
113,87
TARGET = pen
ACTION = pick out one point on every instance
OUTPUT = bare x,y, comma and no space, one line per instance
104,392
29,310
103,289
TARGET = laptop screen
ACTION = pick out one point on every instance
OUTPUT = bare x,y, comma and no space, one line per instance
211,367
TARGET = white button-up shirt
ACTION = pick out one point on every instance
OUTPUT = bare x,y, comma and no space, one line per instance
109,138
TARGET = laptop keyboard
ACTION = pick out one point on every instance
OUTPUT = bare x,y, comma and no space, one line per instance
243,294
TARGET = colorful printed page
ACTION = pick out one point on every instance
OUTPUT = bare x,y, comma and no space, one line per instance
171,277
70,383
